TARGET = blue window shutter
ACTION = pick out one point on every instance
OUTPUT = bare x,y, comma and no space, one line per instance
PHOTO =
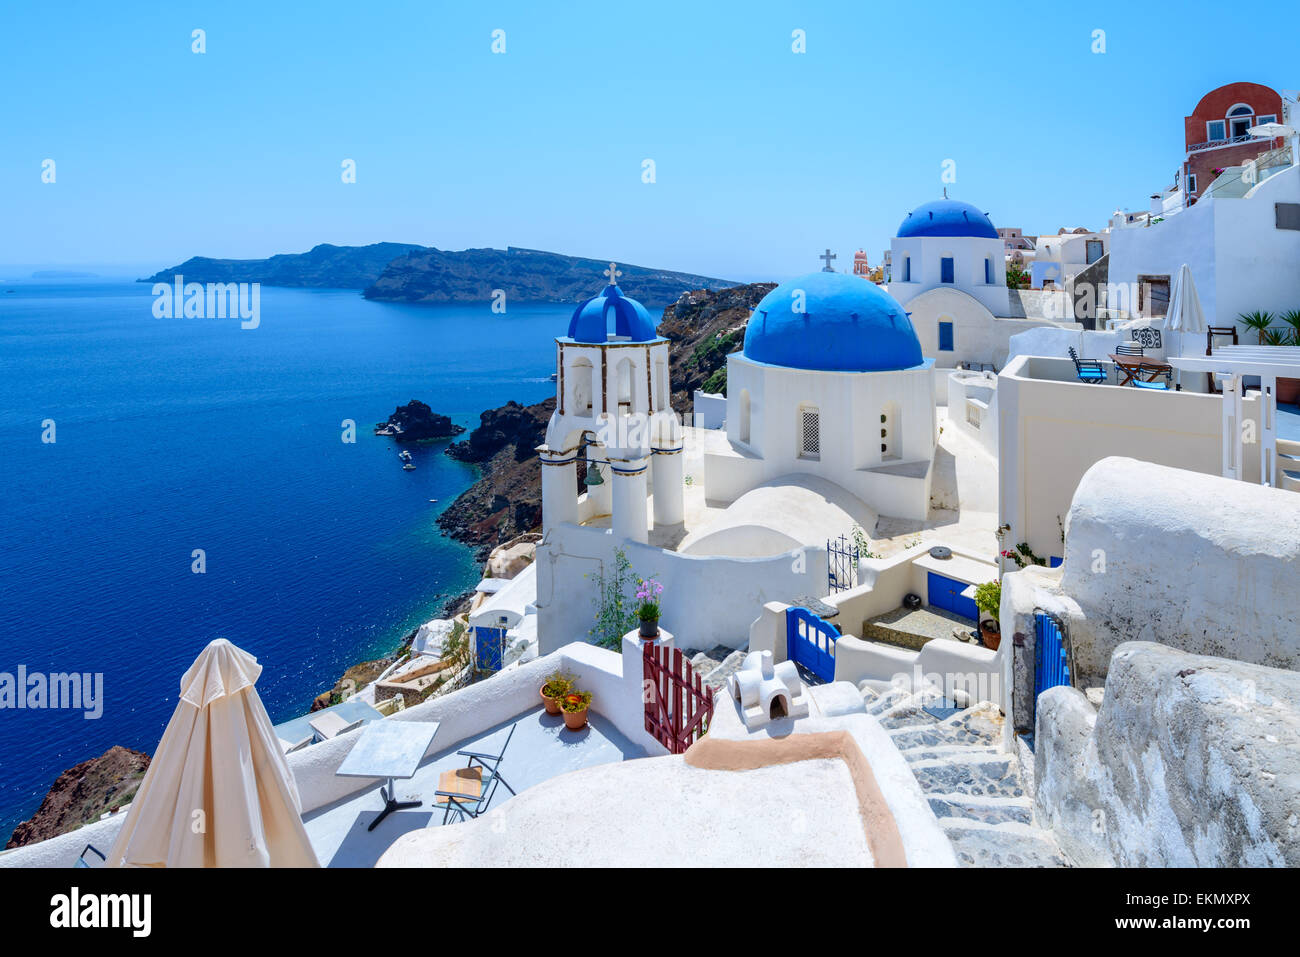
945,269
988,271
945,337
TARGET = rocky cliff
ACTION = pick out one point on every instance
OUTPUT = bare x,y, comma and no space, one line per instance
525,275
82,793
704,327
507,498
323,267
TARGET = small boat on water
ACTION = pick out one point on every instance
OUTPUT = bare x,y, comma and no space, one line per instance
433,500
404,455
409,467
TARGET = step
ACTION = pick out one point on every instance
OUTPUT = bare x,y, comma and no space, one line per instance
981,810
907,715
992,777
948,751
888,699
1002,845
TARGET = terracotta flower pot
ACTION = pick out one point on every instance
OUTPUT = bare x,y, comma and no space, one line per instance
552,706
575,720
991,635
650,628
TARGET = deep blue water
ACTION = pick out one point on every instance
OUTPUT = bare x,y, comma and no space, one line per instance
182,434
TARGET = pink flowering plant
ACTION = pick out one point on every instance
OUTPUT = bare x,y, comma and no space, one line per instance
647,593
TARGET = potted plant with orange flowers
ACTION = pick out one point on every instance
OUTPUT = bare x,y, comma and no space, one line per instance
574,704
556,686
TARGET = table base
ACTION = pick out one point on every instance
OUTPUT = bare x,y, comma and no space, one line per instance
391,804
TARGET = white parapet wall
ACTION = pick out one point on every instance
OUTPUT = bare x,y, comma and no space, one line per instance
1053,428
1192,761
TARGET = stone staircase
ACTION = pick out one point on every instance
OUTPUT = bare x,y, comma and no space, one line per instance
716,665
976,791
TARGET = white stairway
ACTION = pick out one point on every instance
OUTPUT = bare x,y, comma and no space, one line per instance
976,791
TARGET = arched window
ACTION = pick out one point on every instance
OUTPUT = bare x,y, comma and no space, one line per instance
625,386
743,432
1239,120
661,377
580,379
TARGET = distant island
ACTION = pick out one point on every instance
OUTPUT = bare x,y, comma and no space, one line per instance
416,422
401,272
322,267
524,275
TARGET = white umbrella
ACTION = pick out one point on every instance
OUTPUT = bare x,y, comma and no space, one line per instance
219,792
1185,312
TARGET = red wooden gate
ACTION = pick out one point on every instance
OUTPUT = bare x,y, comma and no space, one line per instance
678,707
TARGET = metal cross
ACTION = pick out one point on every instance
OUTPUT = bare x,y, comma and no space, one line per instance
613,272
827,256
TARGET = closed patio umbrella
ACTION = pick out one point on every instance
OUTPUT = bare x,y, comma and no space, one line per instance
1185,312
219,792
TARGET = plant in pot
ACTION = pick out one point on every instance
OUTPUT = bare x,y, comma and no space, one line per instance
556,686
574,704
988,599
647,592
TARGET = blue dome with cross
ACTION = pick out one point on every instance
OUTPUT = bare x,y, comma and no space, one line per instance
832,322
611,316
947,217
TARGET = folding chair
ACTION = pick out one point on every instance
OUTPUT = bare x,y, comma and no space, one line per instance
1088,370
1152,371
469,790
1124,349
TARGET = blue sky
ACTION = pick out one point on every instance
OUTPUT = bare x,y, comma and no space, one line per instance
763,157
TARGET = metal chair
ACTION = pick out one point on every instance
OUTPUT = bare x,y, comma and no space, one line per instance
485,769
1124,349
1153,371
1088,370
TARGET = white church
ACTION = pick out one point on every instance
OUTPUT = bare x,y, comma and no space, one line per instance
830,424
948,267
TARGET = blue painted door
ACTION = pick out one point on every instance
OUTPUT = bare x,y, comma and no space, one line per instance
488,647
945,593
810,642
1051,665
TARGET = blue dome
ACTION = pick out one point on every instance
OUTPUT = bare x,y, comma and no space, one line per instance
848,325
947,217
590,320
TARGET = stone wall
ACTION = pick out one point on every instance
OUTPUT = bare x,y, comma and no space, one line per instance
1192,761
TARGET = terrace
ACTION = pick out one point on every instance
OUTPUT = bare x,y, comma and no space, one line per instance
540,749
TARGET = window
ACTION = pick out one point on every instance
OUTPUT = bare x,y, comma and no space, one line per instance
988,271
1153,296
907,269
1191,182
581,375
945,269
810,439
1265,118
1216,130
889,432
1094,249
1239,120
945,337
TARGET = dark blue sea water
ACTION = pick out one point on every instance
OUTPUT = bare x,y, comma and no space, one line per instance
183,434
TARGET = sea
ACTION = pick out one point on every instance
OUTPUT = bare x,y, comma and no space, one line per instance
171,481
